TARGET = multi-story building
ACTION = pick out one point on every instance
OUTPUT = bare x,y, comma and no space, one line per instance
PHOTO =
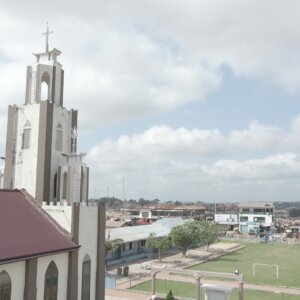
152,213
255,216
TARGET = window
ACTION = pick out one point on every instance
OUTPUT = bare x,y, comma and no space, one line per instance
59,137
51,282
143,243
55,186
243,219
26,137
65,180
86,278
260,219
45,86
130,246
5,286
145,214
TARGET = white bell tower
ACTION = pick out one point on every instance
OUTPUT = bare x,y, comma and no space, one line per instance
40,137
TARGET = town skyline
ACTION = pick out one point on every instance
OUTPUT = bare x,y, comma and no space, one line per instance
200,110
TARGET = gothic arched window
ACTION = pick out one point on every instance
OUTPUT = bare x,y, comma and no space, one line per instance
45,86
65,182
26,136
59,137
55,185
86,278
51,282
5,286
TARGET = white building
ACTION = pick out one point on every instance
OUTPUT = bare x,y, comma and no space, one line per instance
42,136
40,257
255,216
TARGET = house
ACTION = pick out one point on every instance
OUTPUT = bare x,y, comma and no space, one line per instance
255,216
150,214
134,238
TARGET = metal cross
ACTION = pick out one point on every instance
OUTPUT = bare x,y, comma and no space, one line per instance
47,36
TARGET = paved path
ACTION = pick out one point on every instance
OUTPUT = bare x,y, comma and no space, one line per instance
124,295
176,261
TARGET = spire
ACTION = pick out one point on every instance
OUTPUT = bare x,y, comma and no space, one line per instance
47,37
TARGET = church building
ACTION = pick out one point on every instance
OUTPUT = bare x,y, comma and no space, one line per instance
41,138
52,241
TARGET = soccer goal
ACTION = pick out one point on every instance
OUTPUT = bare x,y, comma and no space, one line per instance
266,265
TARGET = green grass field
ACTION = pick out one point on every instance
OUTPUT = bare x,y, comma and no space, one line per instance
187,290
288,260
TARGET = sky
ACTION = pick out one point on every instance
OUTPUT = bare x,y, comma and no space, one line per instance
178,100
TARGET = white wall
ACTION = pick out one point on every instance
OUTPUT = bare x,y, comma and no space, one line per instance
1,176
63,116
61,261
16,271
88,241
26,159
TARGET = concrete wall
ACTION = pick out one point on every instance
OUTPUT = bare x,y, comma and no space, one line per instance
61,261
88,240
26,159
64,117
16,271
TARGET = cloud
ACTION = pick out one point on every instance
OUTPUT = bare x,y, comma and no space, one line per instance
180,163
127,59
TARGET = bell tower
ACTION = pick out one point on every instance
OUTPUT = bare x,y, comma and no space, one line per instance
40,137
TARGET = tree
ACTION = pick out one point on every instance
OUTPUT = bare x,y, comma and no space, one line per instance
170,296
185,235
111,245
159,243
209,233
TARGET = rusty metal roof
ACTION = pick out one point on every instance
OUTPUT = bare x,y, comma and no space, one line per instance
26,230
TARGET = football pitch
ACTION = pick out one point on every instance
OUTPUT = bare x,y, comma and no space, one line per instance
187,290
286,258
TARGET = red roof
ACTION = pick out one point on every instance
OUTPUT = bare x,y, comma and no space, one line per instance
26,230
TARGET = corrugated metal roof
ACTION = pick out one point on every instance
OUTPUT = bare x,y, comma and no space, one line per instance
137,233
255,205
26,230
171,222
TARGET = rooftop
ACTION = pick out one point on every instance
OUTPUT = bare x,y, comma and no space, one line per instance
28,231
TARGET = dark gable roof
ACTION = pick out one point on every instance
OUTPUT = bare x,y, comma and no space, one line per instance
26,230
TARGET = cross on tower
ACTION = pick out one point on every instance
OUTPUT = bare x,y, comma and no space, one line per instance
47,36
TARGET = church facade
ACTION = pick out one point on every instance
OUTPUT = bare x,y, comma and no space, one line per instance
41,138
52,240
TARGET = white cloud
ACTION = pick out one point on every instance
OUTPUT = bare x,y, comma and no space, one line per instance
131,58
184,163
125,59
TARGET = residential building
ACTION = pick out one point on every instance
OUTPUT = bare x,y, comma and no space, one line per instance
151,213
134,238
255,216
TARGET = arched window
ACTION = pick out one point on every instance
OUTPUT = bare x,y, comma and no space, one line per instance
65,181
55,185
86,278
5,286
82,187
59,137
51,282
26,137
45,86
